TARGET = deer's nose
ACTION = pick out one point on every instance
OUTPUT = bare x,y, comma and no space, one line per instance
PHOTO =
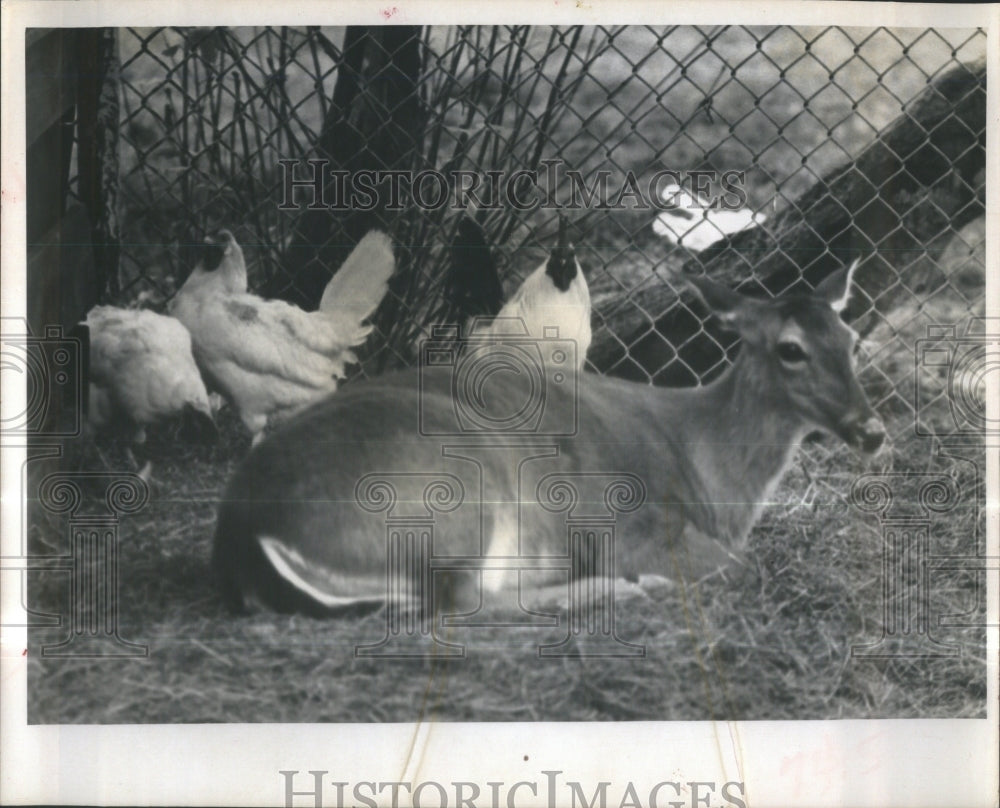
871,435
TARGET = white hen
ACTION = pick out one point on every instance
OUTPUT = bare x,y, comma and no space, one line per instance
267,357
142,371
555,295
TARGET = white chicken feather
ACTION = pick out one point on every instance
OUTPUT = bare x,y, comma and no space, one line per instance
555,295
697,225
141,371
267,357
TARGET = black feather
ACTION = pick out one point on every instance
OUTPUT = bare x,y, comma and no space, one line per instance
213,250
474,287
561,266
212,256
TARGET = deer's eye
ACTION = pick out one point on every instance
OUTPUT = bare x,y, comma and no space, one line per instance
791,352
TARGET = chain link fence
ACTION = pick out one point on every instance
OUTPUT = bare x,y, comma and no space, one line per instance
845,143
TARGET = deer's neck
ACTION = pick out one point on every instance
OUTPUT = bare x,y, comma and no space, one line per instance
741,442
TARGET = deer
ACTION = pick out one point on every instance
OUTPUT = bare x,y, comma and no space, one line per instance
296,533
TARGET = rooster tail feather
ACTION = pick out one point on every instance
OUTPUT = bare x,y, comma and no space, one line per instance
357,288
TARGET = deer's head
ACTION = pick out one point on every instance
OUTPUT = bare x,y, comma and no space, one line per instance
799,354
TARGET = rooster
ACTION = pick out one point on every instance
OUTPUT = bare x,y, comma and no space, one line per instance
554,295
269,358
142,371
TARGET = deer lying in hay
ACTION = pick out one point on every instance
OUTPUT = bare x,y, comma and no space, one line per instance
293,535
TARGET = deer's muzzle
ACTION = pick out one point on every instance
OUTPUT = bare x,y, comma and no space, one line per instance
866,435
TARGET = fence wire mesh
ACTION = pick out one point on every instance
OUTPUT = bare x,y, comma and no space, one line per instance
801,113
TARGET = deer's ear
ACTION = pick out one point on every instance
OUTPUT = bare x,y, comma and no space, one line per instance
723,301
835,289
